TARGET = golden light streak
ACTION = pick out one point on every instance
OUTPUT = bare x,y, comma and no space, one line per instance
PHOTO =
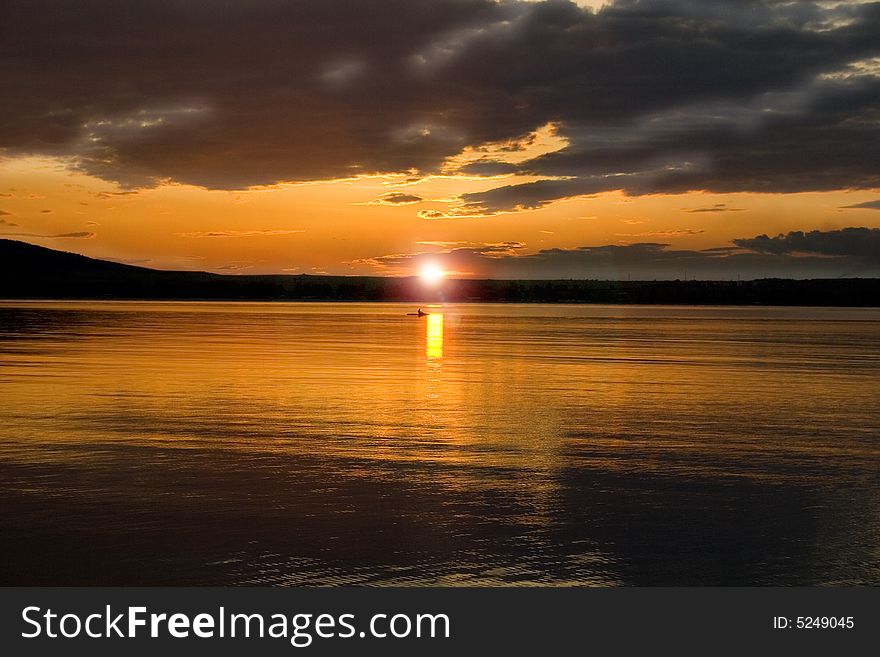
434,337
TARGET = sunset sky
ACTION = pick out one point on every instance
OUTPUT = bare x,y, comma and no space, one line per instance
652,139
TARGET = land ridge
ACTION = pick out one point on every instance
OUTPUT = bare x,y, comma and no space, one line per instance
28,271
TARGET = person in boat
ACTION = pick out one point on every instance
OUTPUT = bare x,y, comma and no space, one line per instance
420,313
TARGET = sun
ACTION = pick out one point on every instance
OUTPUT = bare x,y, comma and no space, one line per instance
431,274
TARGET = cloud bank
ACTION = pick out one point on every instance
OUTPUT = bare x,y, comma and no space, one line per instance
850,252
848,242
649,96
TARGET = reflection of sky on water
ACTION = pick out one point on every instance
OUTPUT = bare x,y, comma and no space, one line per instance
349,443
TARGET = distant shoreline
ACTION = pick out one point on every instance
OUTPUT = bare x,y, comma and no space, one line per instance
24,300
29,272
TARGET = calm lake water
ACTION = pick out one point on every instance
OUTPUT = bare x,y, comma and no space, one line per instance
284,444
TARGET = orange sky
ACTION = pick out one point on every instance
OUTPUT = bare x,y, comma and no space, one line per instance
503,138
337,226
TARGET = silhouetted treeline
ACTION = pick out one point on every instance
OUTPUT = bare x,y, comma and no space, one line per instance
28,271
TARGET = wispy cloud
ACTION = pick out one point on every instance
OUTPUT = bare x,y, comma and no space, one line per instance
867,205
84,235
128,192
718,207
454,255
236,266
238,233
396,198
664,233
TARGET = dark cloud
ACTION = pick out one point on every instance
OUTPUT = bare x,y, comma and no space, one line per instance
858,242
830,254
115,194
4,222
718,207
867,205
824,141
397,198
490,168
83,234
652,95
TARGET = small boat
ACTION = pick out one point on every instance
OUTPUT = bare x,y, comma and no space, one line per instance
421,313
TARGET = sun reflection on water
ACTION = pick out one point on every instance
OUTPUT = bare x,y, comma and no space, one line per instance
434,353
434,337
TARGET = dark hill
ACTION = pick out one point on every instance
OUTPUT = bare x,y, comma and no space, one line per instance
34,272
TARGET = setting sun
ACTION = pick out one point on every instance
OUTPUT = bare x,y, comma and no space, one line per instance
431,274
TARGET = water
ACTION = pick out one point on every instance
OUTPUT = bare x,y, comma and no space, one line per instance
283,444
